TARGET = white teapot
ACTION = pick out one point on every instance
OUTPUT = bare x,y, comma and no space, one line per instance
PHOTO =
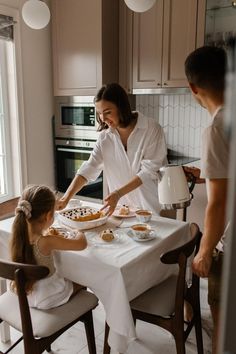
173,189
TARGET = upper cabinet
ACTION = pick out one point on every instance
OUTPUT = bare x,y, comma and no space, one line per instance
162,39
85,45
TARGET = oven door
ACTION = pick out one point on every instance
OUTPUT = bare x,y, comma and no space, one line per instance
68,161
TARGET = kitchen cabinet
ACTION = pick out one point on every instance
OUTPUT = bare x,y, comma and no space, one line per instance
85,45
162,39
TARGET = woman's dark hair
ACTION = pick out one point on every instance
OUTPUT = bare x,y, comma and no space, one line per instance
116,94
34,203
206,68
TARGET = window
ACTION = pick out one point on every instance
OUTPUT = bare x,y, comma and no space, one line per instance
9,151
5,146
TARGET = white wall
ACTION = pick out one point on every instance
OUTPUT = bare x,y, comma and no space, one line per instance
37,100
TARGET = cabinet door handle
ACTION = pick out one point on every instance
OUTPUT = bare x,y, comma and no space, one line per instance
158,84
165,84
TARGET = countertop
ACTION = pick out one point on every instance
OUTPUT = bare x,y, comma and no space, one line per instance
176,159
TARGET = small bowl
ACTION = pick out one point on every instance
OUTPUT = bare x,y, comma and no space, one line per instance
141,230
143,215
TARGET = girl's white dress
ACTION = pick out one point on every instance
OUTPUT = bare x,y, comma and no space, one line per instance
51,291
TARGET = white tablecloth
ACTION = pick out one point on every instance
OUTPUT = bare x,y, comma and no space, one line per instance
117,272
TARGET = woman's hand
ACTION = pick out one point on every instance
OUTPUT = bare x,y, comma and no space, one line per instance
111,202
61,204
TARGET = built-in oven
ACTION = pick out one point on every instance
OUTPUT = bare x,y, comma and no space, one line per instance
75,117
69,155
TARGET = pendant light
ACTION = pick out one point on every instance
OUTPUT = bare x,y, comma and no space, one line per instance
140,5
35,14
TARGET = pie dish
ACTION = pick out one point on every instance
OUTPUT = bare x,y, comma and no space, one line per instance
82,218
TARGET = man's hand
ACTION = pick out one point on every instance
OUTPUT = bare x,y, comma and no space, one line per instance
201,265
193,171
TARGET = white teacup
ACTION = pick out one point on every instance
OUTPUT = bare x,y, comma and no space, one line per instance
141,230
143,215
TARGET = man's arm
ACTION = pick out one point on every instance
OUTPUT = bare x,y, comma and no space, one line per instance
214,225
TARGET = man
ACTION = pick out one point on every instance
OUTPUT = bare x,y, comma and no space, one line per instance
205,70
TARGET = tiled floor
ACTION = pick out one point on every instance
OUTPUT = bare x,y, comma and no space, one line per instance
151,339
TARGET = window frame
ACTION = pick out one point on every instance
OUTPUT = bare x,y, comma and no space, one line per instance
16,141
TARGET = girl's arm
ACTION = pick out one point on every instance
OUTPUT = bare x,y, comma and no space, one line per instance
50,243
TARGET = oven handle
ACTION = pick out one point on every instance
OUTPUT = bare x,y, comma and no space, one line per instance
74,150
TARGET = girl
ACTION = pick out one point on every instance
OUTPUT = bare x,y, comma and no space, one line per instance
30,244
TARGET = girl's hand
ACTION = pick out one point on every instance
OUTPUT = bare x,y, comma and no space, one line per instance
111,202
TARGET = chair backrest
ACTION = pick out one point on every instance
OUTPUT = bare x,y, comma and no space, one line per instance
180,256
7,208
20,273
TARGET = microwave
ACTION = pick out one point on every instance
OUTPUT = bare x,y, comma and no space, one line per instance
75,117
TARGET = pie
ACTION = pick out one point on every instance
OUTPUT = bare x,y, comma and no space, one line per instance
83,214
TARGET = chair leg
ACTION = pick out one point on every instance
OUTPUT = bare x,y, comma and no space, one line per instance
106,347
179,341
90,332
198,331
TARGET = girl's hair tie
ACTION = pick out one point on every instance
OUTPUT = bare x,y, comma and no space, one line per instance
25,207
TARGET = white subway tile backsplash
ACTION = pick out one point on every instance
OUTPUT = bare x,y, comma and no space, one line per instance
181,117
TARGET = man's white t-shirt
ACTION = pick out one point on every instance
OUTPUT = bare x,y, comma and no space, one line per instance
215,155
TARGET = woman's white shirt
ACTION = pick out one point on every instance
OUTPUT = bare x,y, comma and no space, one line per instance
146,153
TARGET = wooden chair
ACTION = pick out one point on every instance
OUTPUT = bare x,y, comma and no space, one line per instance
7,208
41,327
163,305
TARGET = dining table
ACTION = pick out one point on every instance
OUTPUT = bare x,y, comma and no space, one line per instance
118,271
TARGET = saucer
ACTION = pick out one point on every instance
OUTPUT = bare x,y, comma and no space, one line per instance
117,215
96,240
152,235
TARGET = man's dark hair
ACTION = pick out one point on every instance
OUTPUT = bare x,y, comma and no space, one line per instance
206,68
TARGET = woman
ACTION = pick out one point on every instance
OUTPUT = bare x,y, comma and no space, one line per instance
130,150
